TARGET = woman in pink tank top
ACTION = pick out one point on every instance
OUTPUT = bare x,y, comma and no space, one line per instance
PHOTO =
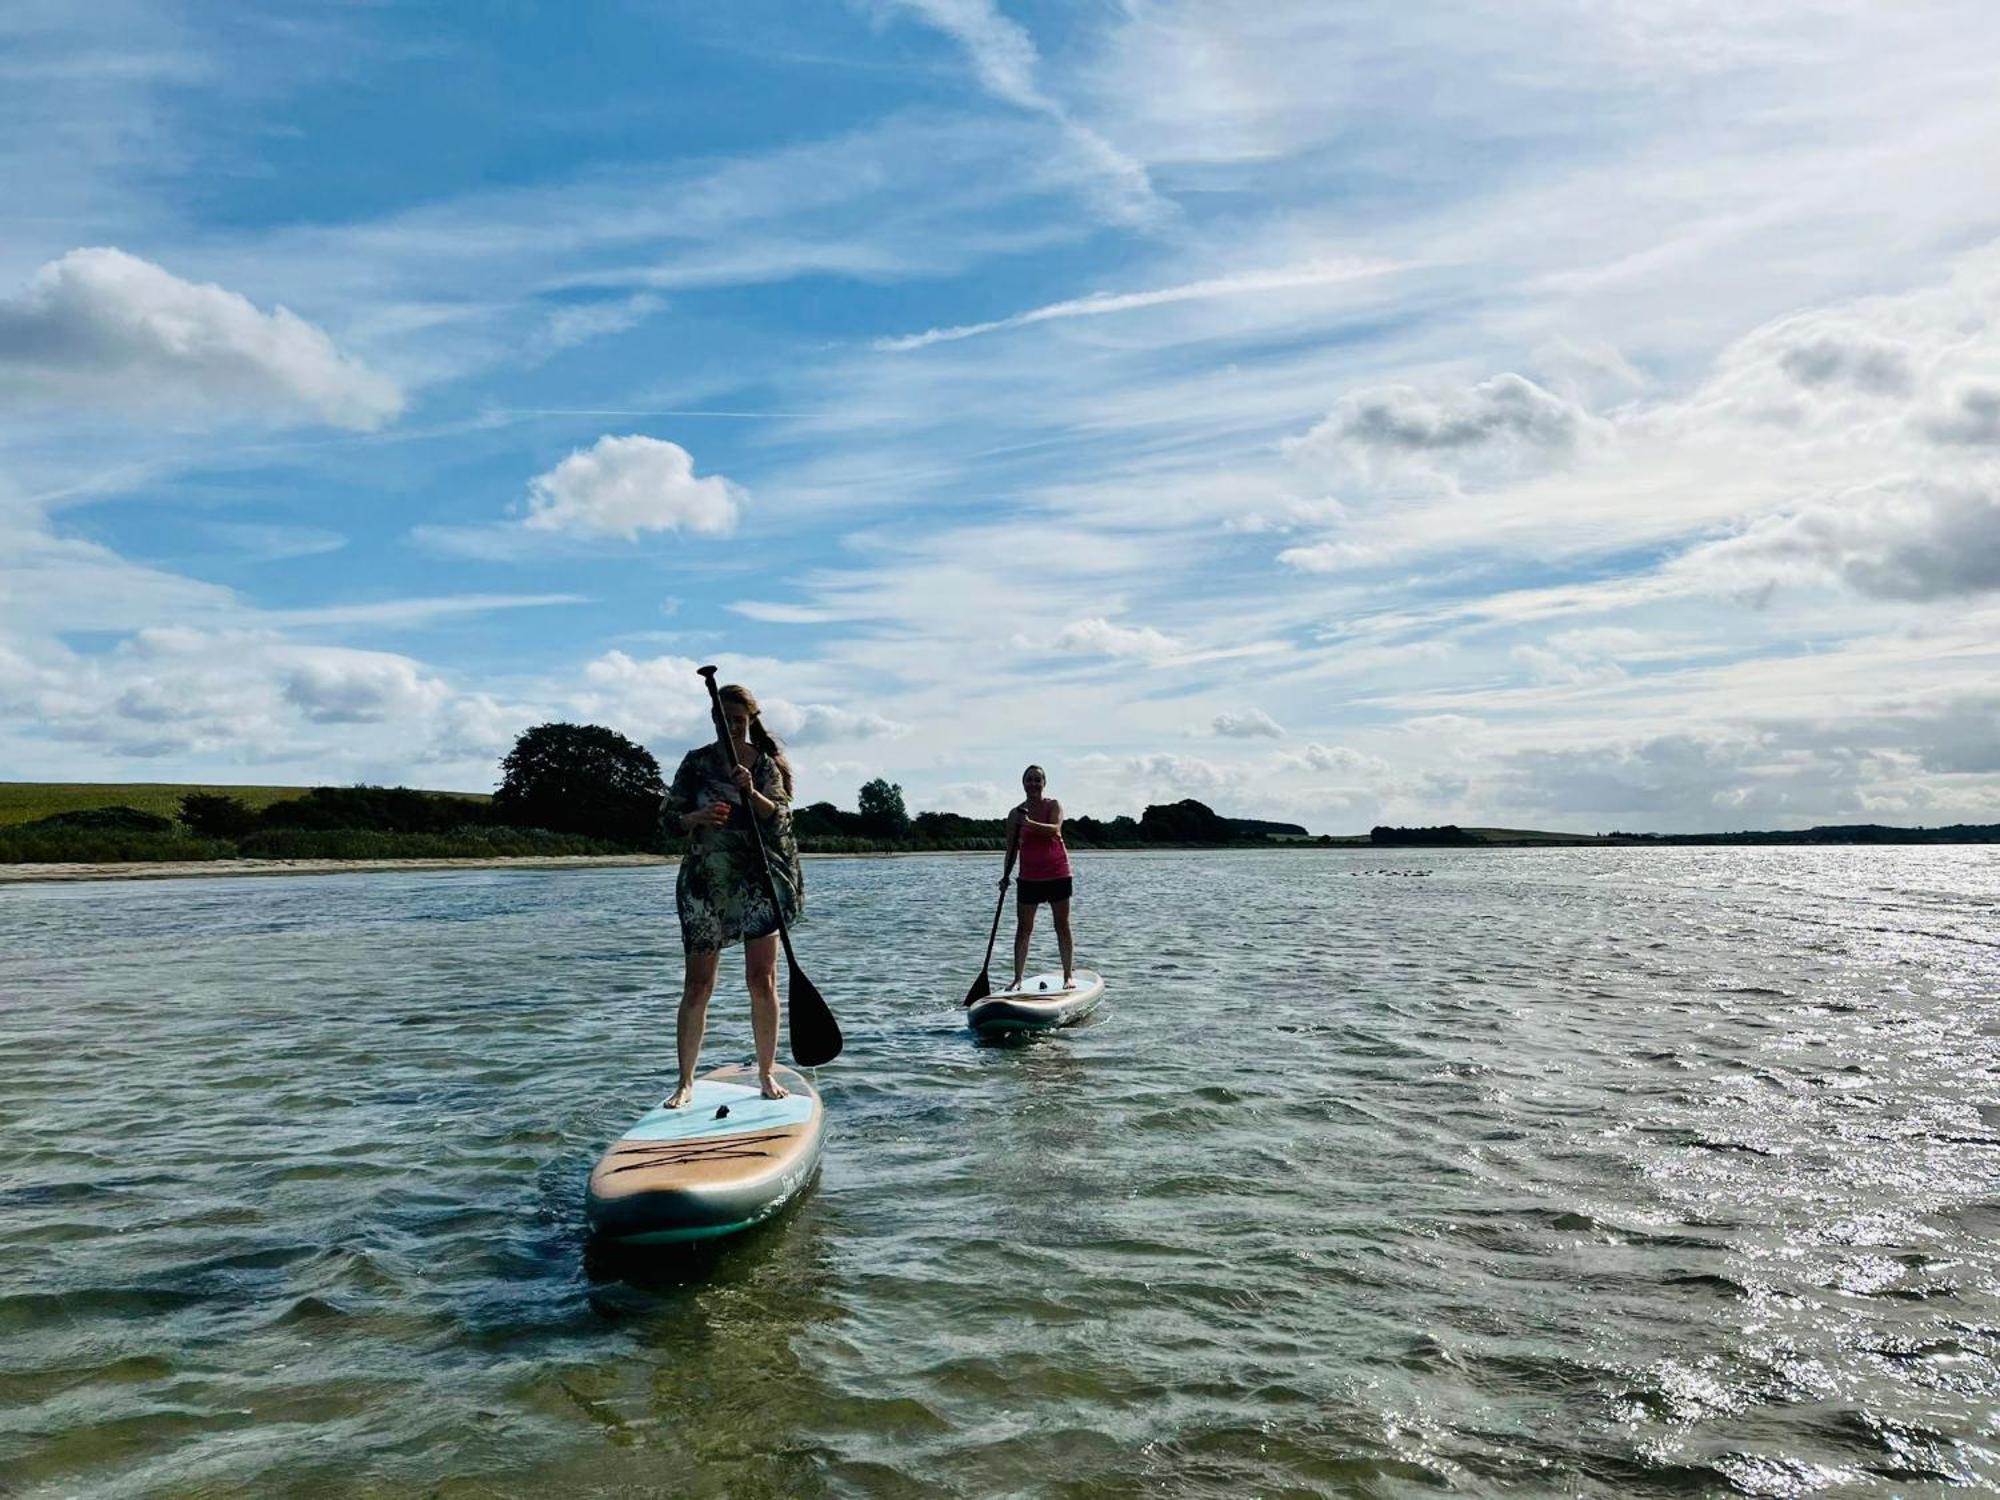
1034,831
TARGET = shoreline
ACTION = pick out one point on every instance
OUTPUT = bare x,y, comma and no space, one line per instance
184,869
170,869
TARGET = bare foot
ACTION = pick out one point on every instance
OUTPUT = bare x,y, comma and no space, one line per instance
772,1088
679,1097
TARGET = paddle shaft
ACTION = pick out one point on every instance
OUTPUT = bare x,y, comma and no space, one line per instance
998,907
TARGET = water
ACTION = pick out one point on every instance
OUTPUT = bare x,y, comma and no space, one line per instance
1578,1172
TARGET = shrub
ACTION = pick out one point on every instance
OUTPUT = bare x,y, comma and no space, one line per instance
212,816
385,809
110,820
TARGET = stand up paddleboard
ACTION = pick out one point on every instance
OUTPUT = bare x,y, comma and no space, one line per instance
1039,1004
727,1159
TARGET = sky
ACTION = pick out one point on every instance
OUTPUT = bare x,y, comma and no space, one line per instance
1578,414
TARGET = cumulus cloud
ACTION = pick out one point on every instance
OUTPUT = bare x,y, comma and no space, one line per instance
1917,541
99,327
819,723
1700,779
622,486
237,695
1325,557
1828,356
969,799
1507,411
333,685
1099,637
1972,417
1252,723
660,696
1340,759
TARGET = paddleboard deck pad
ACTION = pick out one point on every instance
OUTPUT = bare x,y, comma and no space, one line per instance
1041,1003
727,1159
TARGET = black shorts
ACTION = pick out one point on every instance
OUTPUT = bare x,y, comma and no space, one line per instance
1035,892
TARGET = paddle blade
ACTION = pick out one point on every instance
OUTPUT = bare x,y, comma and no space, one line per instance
816,1035
981,988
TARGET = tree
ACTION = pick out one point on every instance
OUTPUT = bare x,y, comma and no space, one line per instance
1184,822
822,820
882,810
581,778
212,815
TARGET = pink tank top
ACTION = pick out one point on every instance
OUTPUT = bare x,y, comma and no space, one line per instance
1044,856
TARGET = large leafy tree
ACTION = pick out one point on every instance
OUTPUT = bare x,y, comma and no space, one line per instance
882,810
1184,822
581,778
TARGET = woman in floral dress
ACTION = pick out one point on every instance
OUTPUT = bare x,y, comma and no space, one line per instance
720,893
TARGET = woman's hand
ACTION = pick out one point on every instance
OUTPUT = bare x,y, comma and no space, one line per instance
755,800
715,815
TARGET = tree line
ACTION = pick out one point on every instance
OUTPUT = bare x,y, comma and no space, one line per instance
564,789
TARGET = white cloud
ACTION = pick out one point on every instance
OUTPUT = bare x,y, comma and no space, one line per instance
1099,637
1326,557
1971,417
1508,410
1340,759
1099,304
333,685
101,328
578,323
623,486
236,696
820,723
267,542
1835,356
1252,723
969,799
1005,60
783,614
1912,541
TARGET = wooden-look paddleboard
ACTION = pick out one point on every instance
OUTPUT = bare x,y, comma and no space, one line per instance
727,1159
1039,1004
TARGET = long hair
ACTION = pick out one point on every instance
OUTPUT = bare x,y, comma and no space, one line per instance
761,737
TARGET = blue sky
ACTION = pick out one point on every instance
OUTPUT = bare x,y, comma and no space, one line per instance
1585,416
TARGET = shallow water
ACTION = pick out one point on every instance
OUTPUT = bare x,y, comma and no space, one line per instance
1579,1172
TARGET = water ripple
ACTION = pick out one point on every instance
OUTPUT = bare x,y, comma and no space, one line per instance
1582,1172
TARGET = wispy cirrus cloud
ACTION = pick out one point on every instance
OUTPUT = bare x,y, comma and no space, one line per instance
1102,304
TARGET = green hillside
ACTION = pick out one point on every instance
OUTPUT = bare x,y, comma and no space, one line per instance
24,801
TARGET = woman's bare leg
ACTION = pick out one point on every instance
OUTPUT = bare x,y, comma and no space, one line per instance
1060,910
760,972
1024,929
697,984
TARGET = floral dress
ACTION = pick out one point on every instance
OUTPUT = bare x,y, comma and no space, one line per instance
720,895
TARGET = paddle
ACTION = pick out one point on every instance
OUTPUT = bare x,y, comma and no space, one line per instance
815,1034
982,986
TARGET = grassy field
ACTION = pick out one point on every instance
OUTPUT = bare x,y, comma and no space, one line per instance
24,801
1532,836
